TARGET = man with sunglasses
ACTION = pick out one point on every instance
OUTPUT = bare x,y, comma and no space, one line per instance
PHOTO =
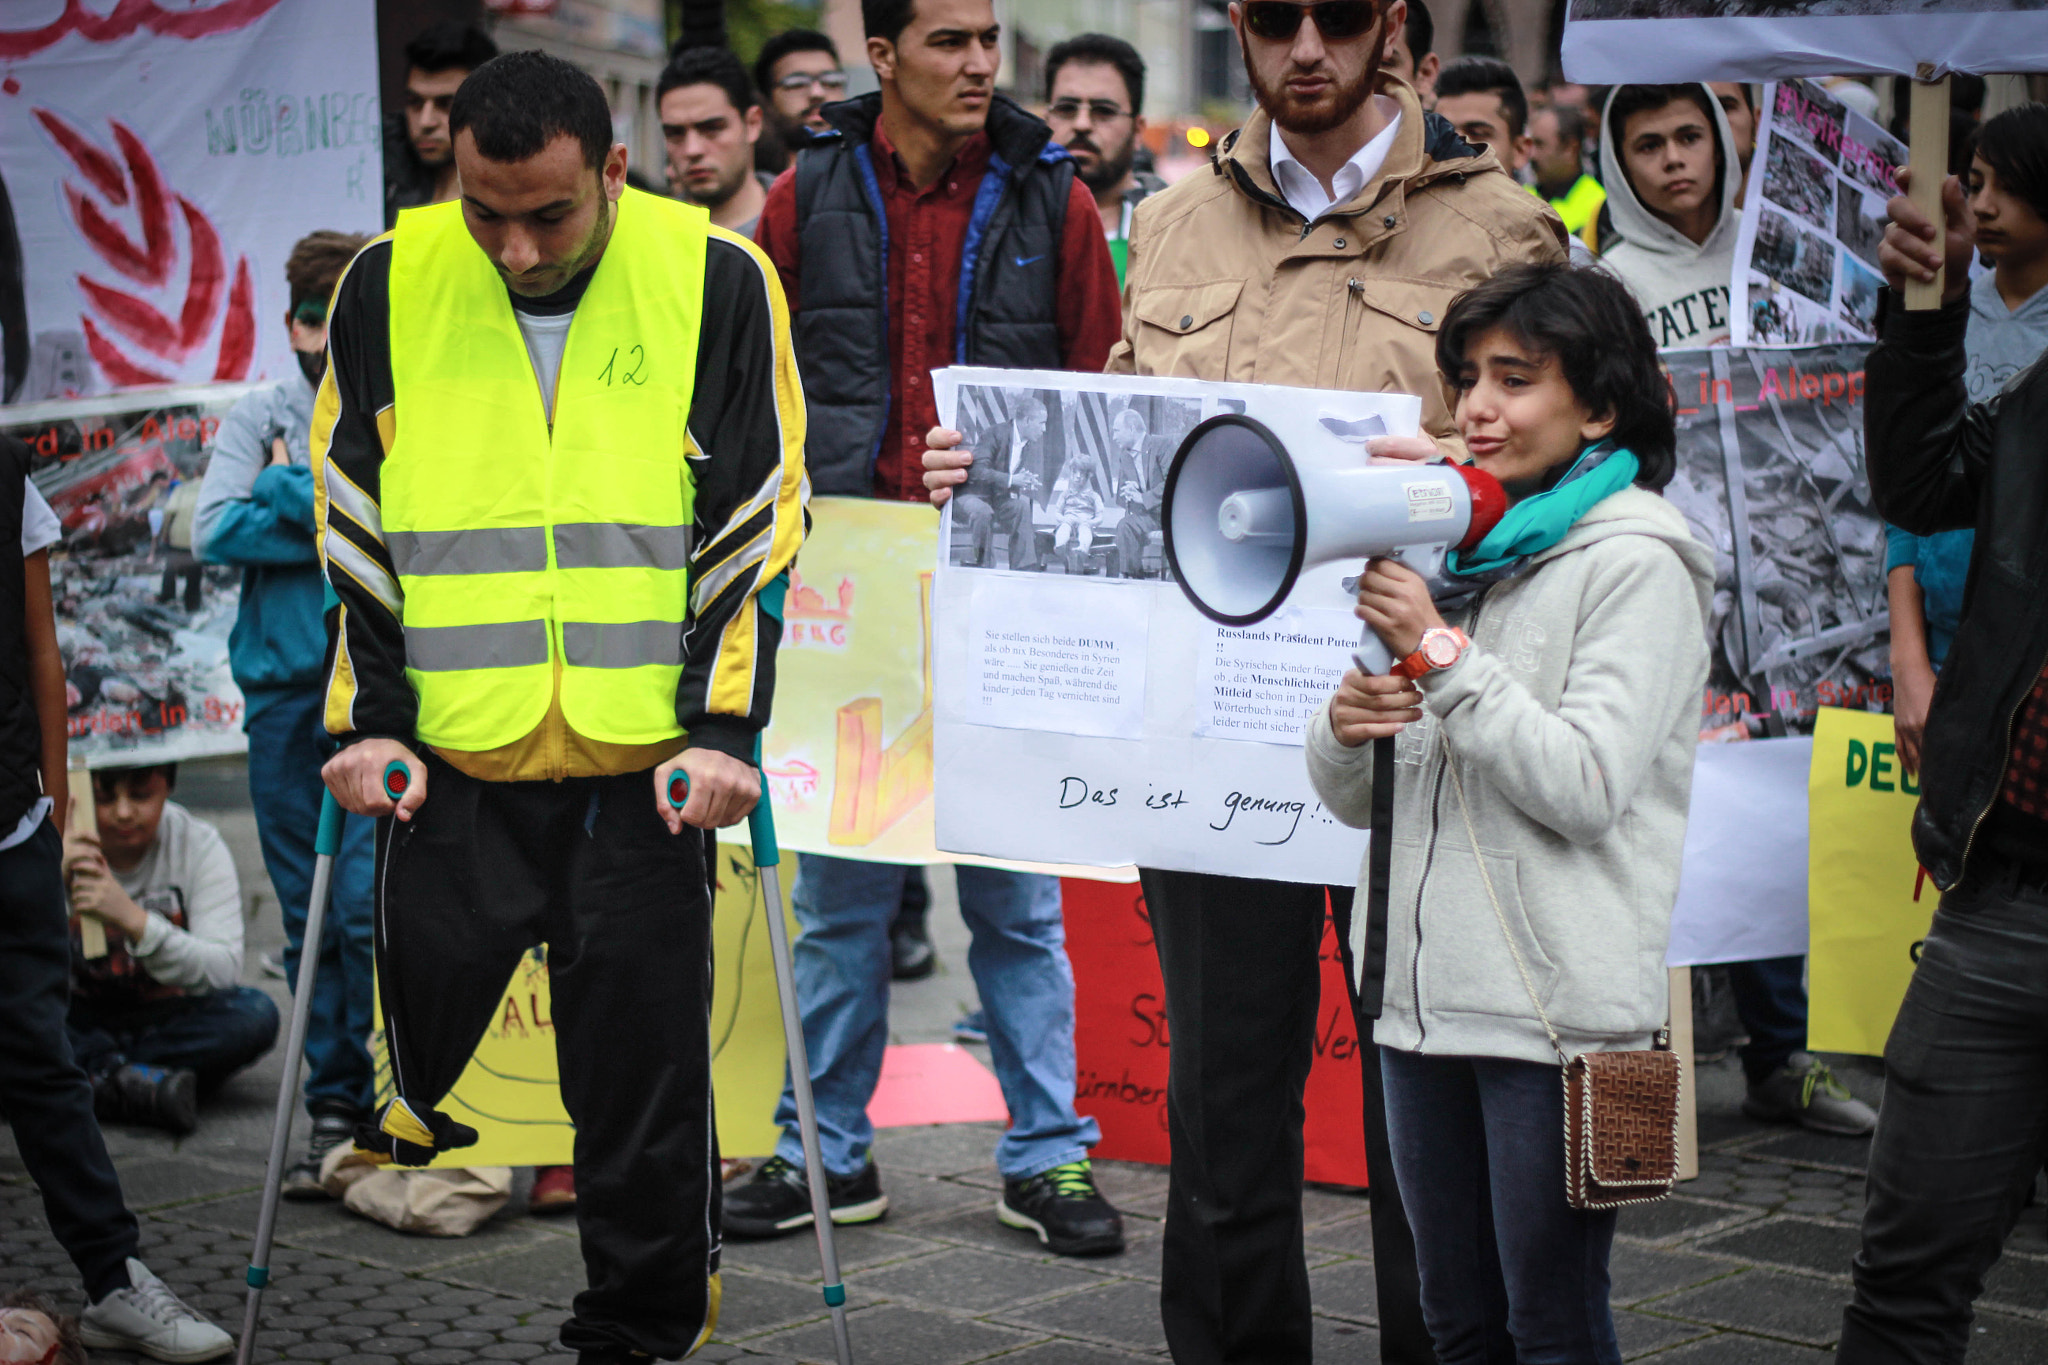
256,510
1323,252
1094,91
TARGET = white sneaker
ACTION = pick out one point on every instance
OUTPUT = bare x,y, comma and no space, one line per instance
149,1318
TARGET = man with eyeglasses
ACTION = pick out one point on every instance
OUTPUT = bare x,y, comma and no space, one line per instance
1323,253
1094,91
798,70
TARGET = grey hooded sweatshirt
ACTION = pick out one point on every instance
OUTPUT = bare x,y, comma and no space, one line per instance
1683,286
1573,718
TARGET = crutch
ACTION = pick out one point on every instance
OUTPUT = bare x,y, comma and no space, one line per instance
768,858
326,843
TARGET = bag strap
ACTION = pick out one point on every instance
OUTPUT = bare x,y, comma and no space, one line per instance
1499,915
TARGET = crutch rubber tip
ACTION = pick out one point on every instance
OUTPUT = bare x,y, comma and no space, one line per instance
397,778
678,788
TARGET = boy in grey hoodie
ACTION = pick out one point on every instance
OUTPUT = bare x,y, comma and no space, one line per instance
1668,161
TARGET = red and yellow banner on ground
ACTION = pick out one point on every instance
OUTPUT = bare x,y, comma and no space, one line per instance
1868,901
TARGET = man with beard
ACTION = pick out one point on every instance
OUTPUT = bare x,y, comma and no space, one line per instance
1095,94
256,511
710,121
798,73
1323,252
419,154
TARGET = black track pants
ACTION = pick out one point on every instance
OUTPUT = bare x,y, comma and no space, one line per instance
483,871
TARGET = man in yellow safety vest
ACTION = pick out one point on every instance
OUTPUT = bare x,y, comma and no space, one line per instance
559,475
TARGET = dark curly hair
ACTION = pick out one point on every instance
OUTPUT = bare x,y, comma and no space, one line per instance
1589,321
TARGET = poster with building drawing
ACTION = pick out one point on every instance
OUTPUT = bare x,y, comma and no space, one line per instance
1608,41
1806,258
1083,709
1771,477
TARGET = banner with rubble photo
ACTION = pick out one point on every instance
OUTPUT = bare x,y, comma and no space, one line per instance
1806,258
1616,41
158,159
1770,476
143,626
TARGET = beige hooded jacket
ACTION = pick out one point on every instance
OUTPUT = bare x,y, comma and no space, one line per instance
1226,282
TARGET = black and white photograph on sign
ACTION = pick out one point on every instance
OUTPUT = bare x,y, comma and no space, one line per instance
1794,257
1795,179
1799,616
1859,222
1806,254
1066,481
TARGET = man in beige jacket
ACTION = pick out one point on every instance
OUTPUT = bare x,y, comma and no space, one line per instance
1321,250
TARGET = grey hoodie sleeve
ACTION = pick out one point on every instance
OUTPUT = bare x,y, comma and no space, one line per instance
1341,775
1637,660
207,954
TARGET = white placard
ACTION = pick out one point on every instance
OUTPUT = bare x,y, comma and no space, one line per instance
1263,682
1742,889
1068,544
1613,41
1036,666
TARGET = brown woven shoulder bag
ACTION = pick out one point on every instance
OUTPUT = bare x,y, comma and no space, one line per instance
1620,1108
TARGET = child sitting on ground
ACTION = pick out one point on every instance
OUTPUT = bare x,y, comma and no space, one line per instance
162,1018
1077,499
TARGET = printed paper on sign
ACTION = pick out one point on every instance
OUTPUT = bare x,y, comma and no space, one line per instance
1040,664
1263,682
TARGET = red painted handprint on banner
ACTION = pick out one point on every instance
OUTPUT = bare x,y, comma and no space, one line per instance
133,182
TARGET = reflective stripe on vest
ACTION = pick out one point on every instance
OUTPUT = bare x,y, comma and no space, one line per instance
519,545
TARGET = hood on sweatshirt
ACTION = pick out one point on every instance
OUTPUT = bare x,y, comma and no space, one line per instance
1683,286
1638,512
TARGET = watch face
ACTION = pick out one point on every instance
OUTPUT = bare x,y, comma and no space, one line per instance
1440,647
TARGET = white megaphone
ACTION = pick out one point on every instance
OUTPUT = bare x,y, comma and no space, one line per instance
1245,513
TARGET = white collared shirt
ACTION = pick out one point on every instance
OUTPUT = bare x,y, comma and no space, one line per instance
1305,194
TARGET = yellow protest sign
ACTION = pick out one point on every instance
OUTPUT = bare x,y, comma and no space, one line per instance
509,1091
1868,902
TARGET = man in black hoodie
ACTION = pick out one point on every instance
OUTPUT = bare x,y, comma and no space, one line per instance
1965,1116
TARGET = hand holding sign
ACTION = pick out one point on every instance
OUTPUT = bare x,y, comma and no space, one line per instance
1912,252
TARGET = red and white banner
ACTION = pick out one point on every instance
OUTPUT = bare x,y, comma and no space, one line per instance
160,158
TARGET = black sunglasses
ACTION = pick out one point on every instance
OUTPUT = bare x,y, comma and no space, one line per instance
1279,20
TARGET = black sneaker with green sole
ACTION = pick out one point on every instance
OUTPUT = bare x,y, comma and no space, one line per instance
776,1200
1065,1209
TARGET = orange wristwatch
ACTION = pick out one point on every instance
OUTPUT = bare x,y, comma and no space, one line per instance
1439,648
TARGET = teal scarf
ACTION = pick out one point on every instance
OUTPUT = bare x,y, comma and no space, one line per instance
1540,520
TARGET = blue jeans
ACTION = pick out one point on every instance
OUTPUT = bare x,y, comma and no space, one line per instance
287,745
1019,961
1510,1271
1770,999
215,1034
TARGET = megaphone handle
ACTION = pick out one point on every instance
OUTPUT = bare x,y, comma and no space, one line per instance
1372,655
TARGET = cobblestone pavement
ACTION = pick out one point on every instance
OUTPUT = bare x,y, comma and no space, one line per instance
1747,1264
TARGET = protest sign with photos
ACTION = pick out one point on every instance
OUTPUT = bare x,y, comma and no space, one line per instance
1806,259
1086,712
142,624
1613,41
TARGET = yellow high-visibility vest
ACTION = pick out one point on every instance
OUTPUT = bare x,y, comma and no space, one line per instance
519,544
1580,206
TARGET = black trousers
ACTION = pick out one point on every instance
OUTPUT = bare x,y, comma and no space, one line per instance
1964,1124
1243,983
482,872
44,1095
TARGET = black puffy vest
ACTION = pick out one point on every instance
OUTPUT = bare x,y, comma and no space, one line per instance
21,740
1009,268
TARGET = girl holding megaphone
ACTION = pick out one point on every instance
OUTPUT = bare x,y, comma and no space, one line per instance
1544,717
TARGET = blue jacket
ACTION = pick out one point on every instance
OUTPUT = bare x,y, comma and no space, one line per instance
260,516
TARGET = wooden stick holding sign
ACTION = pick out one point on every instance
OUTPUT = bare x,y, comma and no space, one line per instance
1688,1102
1927,137
92,934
